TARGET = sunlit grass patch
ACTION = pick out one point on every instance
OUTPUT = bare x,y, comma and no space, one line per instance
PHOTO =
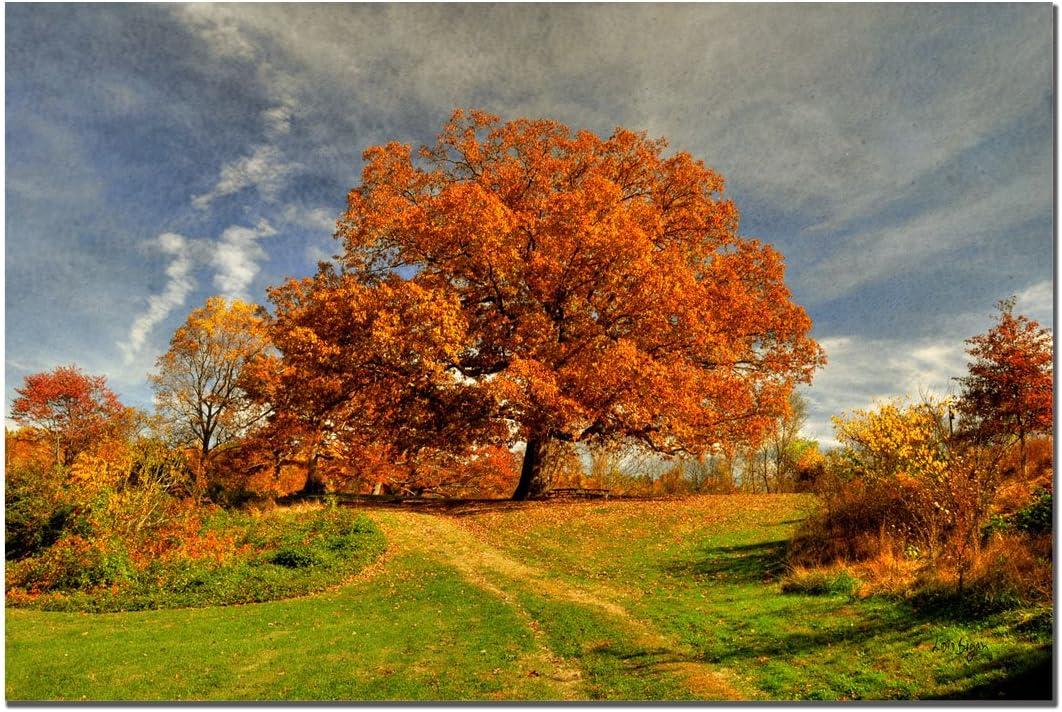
415,631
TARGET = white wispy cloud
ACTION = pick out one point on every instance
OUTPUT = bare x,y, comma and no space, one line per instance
1037,301
322,219
180,283
236,258
278,120
223,34
863,371
264,169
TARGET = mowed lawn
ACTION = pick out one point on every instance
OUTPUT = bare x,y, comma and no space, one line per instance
616,600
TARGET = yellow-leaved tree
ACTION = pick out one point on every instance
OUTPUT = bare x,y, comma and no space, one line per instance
197,382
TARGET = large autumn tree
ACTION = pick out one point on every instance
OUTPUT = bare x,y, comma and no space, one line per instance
1007,393
597,288
73,409
197,382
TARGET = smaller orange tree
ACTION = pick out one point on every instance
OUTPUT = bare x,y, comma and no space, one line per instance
73,409
1008,392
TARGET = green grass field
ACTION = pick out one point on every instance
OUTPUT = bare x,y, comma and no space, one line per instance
618,600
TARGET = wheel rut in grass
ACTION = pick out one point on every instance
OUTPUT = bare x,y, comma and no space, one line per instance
507,578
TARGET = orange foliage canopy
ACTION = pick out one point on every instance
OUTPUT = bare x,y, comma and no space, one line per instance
572,287
74,409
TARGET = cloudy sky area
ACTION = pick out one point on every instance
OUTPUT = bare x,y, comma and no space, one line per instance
899,156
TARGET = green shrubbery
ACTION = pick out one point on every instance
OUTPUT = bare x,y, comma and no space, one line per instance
36,514
1036,518
233,557
821,582
125,527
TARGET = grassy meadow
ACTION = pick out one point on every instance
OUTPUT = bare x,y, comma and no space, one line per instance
678,599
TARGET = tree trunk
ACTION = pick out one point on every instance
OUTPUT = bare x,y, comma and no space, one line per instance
1021,439
766,482
314,484
530,484
199,486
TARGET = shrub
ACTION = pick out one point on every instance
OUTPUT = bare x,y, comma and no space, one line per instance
74,563
293,558
996,524
27,534
1037,517
155,462
133,514
1013,567
821,582
912,510
892,570
36,514
1014,570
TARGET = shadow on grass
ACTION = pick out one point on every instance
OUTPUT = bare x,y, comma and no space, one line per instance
974,607
657,673
1027,677
762,562
637,660
872,631
858,631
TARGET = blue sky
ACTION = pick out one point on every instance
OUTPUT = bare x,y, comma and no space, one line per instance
900,156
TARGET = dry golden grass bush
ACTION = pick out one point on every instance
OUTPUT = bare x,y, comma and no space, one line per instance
908,538
1010,571
820,542
947,524
858,520
891,570
1013,566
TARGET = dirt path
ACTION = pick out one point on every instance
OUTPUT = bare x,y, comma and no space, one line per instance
494,571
